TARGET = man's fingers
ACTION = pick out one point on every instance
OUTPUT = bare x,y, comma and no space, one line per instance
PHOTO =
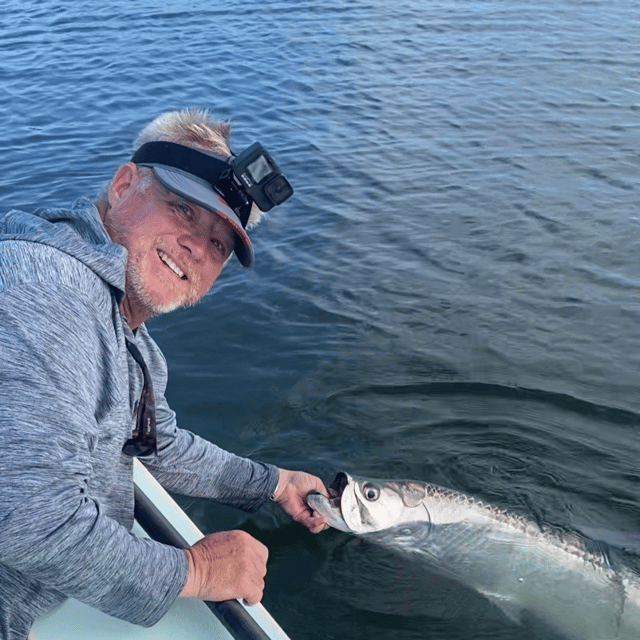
225,565
313,521
291,494
253,594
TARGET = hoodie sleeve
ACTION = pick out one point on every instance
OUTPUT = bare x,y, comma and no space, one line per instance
52,529
191,465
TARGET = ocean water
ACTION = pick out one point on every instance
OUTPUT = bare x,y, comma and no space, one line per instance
452,293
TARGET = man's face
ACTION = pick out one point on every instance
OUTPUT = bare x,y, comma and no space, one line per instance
176,248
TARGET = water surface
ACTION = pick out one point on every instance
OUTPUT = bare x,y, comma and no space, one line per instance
452,293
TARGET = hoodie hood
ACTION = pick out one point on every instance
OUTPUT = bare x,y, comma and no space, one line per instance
78,231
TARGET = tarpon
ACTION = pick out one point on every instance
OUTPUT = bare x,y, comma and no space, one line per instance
527,571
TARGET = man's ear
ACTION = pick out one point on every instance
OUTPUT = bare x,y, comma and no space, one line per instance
123,183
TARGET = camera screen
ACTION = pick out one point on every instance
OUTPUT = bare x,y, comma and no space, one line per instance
259,168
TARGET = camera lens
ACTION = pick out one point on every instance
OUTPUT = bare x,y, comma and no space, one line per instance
278,189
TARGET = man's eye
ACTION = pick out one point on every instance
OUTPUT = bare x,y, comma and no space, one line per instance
184,210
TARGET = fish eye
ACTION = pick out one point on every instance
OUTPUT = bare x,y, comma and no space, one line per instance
370,492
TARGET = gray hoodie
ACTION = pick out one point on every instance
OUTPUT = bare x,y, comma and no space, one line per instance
68,388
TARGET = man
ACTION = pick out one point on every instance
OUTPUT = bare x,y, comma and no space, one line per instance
82,384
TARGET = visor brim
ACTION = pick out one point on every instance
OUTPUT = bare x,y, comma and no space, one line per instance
194,190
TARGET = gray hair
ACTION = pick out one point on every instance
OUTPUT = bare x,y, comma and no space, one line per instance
190,127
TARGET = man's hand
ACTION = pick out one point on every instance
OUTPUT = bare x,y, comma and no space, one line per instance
226,565
291,493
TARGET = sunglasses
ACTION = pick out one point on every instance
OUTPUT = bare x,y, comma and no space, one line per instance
143,440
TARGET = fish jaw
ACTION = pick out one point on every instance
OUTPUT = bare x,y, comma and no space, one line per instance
330,509
340,492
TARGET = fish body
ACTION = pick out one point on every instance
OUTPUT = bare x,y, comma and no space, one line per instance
526,571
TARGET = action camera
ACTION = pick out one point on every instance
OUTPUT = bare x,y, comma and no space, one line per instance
258,174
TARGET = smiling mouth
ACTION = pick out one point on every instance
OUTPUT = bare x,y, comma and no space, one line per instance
172,265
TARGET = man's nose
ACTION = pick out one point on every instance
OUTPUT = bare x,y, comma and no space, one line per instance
194,243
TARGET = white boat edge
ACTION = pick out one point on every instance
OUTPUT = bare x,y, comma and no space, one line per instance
188,618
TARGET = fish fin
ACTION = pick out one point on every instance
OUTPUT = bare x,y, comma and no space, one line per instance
511,609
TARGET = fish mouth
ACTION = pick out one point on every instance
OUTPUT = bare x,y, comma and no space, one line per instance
336,489
331,507
339,484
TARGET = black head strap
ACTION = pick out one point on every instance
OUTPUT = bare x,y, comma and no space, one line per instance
214,170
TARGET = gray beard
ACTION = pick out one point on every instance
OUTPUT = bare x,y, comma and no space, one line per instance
138,293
